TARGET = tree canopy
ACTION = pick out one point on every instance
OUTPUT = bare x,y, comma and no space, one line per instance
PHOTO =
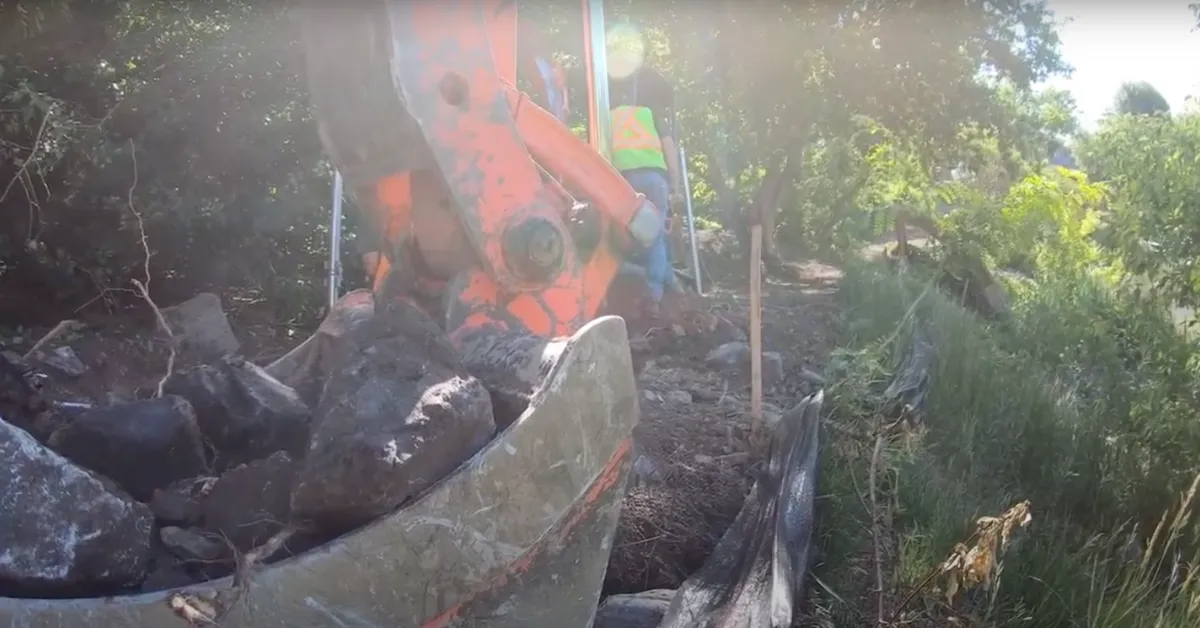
1140,99
207,99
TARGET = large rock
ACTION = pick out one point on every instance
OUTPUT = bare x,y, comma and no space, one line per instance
732,359
63,361
245,413
639,610
200,328
192,545
181,503
20,398
392,420
143,445
250,503
306,368
63,530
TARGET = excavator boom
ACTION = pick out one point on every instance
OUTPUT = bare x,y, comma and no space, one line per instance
430,133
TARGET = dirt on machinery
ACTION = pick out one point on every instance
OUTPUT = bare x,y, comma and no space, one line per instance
191,458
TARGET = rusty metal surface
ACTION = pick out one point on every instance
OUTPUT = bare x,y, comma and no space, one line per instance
519,535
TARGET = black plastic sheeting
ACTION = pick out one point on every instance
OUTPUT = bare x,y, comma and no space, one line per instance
755,576
910,386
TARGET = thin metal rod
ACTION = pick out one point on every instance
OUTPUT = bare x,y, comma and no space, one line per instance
335,242
691,219
596,63
756,386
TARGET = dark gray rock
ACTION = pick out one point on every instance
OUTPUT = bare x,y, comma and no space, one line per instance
306,368
46,423
725,331
251,502
20,397
732,359
189,544
180,503
142,445
200,328
167,572
243,412
64,531
638,610
62,360
392,420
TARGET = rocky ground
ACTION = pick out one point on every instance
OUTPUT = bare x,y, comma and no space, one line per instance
694,451
235,444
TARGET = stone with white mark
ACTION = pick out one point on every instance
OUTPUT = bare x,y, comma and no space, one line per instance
63,530
393,419
679,398
63,360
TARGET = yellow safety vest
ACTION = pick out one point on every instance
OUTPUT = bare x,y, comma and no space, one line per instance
635,140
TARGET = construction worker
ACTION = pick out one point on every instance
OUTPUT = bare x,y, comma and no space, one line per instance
642,105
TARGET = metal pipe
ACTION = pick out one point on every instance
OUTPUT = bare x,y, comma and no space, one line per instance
335,242
691,219
596,62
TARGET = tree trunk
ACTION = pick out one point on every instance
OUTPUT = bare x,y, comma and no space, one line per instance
728,206
766,201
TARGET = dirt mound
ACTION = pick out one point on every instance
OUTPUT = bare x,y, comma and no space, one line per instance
692,471
694,463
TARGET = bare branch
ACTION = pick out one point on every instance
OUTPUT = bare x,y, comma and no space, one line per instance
23,172
28,160
143,285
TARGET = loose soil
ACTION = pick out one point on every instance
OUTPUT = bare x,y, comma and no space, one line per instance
696,460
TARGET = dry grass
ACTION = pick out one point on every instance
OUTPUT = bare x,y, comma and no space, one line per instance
1031,413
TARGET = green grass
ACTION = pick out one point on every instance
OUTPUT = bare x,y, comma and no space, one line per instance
1084,403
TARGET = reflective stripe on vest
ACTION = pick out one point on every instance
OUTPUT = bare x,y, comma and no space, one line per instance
635,140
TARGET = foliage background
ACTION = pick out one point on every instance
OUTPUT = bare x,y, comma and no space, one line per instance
847,102
182,129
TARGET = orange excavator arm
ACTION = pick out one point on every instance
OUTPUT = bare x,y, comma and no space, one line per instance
417,108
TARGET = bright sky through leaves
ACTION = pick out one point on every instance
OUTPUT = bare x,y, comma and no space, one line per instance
1109,43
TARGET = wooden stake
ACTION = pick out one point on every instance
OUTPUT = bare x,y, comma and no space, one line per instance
902,234
756,392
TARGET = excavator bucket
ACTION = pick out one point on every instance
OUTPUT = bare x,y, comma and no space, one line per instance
519,535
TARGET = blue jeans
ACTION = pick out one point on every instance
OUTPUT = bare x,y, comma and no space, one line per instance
652,182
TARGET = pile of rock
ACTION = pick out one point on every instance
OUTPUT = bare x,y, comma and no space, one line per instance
166,491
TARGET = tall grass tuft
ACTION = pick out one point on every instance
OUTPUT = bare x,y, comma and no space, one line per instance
1086,403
